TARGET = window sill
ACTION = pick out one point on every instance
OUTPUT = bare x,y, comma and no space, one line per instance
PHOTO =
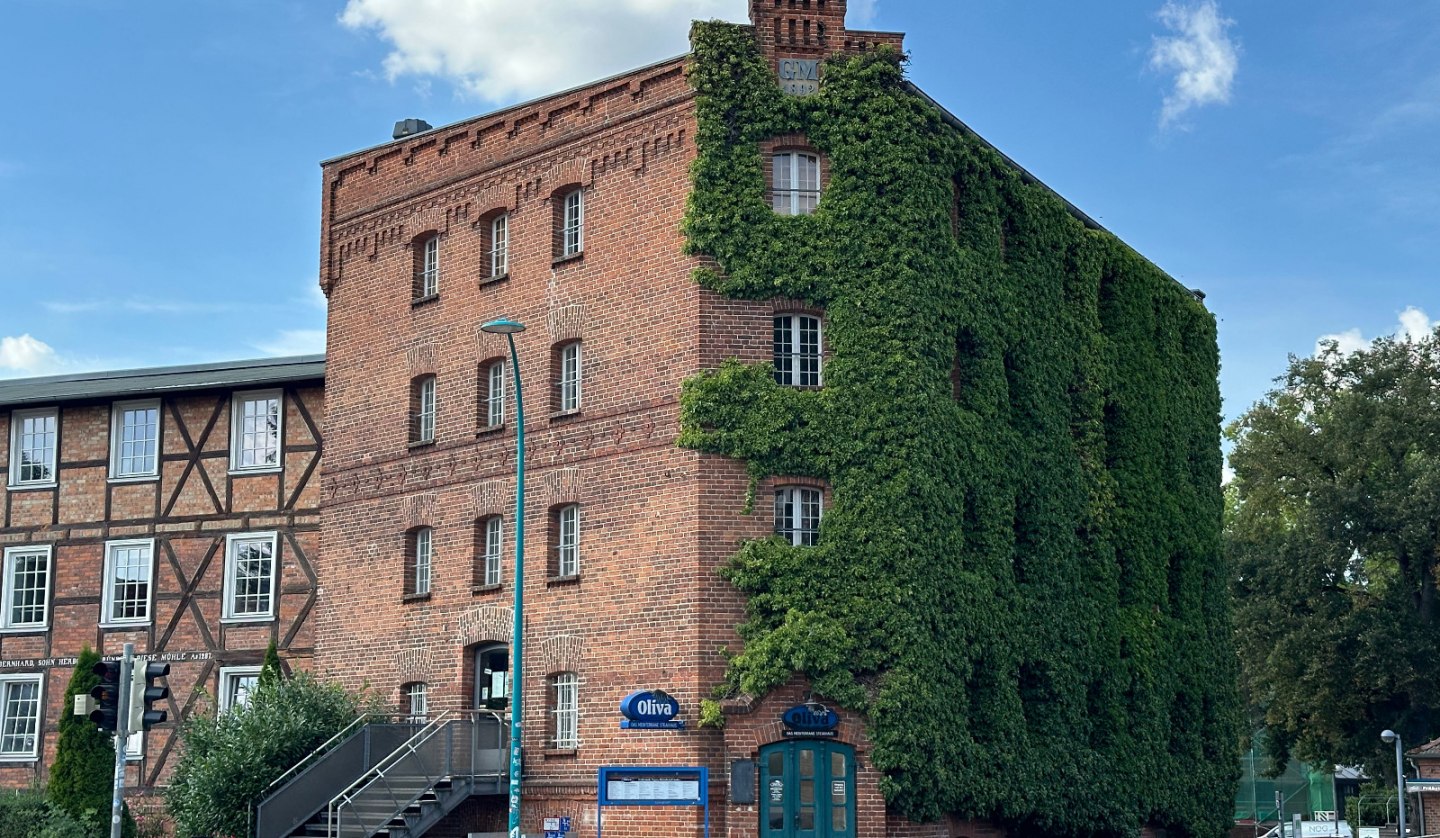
419,443
486,589
134,478
493,280
35,629
136,626
23,487
561,581
564,415
420,301
561,753
490,429
8,758
425,597
565,260
243,472
249,618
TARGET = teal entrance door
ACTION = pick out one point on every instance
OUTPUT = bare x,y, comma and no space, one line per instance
807,790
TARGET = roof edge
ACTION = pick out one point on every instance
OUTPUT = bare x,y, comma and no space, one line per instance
1025,174
517,106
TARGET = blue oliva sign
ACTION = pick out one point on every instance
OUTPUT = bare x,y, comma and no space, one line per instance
651,709
811,717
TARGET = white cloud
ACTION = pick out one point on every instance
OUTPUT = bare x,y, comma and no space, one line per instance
1414,325
499,50
27,356
1201,54
295,342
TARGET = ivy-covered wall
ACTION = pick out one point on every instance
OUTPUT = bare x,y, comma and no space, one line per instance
1018,580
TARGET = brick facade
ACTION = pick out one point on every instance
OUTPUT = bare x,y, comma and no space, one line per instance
646,608
184,512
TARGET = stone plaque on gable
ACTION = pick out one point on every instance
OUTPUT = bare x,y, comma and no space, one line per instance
799,76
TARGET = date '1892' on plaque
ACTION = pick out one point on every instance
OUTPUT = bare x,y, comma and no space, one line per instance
799,76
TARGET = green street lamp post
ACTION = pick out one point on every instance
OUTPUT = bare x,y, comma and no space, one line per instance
509,328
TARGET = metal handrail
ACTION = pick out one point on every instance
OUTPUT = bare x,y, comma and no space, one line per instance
444,723
378,772
318,750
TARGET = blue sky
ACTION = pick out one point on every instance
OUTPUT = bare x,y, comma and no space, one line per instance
160,186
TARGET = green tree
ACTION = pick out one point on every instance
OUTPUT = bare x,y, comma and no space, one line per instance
271,670
228,760
82,780
1333,530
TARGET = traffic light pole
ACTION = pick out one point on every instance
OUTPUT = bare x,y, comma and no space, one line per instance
122,738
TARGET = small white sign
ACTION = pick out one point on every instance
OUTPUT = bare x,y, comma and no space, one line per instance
552,824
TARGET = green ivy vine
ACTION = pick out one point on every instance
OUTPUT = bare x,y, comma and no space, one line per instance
1018,581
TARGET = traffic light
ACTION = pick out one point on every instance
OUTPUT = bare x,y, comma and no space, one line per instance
107,693
144,692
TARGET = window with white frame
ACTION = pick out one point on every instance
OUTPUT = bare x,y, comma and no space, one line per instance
27,588
422,428
422,555
129,567
492,545
250,576
797,350
237,686
20,709
565,706
568,377
134,440
572,223
796,180
427,267
500,245
797,515
255,428
417,702
495,394
567,541
34,440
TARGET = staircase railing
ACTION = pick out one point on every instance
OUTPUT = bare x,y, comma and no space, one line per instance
304,790
447,748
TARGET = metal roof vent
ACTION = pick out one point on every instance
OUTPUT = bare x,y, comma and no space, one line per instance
408,127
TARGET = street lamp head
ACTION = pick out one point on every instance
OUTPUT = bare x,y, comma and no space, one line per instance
502,326
1388,736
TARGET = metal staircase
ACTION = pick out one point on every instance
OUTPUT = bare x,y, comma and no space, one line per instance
391,778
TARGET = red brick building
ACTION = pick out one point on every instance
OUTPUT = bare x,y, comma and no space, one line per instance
564,214
175,509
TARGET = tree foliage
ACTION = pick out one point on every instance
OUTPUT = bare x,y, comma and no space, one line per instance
229,760
1018,579
1334,533
82,780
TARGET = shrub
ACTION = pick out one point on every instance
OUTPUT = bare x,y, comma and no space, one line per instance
229,760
